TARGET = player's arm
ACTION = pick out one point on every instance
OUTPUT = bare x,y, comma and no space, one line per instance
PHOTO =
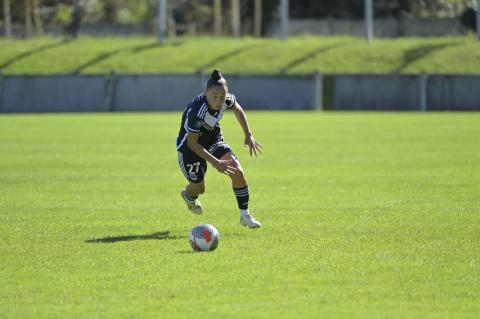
221,165
249,141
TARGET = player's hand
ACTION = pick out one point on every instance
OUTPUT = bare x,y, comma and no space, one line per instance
253,145
225,166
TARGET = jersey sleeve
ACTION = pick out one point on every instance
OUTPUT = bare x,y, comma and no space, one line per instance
194,122
230,101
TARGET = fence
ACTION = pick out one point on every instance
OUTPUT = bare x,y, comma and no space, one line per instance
383,27
388,27
172,92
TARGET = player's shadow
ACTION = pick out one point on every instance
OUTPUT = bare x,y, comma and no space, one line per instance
29,53
164,235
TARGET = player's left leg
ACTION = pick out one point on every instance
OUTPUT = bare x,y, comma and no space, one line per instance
240,188
190,196
194,169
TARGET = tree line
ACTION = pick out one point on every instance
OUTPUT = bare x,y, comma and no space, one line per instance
205,16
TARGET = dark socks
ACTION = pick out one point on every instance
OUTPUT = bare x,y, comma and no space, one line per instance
190,198
242,197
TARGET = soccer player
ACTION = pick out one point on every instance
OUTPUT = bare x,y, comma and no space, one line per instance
200,140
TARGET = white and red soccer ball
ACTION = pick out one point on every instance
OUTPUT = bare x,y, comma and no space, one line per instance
204,237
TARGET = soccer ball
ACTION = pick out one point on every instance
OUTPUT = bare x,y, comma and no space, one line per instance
204,237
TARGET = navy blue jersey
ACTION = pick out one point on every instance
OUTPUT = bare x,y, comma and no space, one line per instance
198,118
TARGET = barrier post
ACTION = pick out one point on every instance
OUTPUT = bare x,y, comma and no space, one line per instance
423,92
318,92
1,92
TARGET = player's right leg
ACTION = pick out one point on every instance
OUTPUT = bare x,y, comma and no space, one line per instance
240,188
222,150
194,169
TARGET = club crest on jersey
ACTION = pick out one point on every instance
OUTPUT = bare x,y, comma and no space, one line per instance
208,128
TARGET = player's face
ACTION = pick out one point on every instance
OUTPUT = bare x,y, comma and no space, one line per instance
216,96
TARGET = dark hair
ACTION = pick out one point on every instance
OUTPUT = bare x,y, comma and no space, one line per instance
216,78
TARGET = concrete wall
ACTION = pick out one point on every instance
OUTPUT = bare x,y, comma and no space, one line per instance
377,92
57,93
155,92
169,92
85,93
275,92
462,91
166,92
402,92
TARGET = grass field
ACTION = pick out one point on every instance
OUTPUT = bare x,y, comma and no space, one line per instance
365,215
297,55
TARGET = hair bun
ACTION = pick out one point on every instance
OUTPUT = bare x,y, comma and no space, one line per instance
216,75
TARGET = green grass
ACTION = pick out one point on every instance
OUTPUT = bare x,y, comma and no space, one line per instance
297,55
365,215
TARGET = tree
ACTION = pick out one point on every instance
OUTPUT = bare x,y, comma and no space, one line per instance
439,8
257,24
346,9
235,12
469,19
7,19
353,9
110,8
72,28
37,19
28,18
217,17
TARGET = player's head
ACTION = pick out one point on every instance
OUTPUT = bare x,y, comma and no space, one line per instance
216,91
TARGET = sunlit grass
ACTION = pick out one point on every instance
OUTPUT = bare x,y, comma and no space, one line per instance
297,55
365,215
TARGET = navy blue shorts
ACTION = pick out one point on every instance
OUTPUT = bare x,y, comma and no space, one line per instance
194,167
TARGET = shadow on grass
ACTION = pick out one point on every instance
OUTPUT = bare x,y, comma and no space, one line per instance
226,56
188,251
165,235
106,55
26,54
415,54
191,251
307,57
156,44
145,47
97,59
